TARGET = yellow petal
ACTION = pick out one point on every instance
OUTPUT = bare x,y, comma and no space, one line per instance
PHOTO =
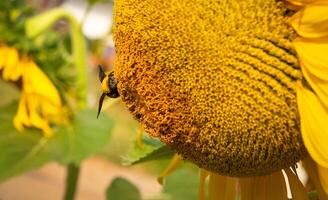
221,187
47,107
3,56
300,2
36,119
21,118
312,21
314,63
176,160
35,81
203,174
312,170
294,6
10,64
323,176
139,136
314,120
60,117
17,71
297,188
269,187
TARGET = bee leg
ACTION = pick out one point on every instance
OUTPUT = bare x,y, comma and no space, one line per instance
101,100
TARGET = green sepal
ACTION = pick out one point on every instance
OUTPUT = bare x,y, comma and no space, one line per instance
151,150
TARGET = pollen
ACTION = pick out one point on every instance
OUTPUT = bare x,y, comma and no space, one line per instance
214,80
104,85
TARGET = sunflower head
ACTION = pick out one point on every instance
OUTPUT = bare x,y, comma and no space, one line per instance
215,80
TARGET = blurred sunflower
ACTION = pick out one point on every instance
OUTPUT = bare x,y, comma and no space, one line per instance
40,103
233,87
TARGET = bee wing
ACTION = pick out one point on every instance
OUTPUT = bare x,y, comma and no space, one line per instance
102,74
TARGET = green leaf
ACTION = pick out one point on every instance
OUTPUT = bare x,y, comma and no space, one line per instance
182,184
152,149
85,137
122,189
21,152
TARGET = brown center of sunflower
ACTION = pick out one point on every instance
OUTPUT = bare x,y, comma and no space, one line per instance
213,79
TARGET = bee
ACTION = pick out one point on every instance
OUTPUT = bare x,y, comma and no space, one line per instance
108,86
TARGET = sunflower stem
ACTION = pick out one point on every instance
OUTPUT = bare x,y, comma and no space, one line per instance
72,177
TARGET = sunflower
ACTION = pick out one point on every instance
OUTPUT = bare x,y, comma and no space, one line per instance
40,103
237,87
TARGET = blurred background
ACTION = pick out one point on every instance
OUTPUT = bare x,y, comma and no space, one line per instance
41,158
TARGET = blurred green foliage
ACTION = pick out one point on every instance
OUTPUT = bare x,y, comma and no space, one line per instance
181,185
93,2
49,50
122,189
20,152
84,136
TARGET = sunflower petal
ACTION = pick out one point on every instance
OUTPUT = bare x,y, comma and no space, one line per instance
3,56
314,63
301,2
16,73
203,174
176,160
139,136
36,119
10,64
221,187
323,175
21,118
297,188
269,187
312,21
35,81
312,170
314,118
